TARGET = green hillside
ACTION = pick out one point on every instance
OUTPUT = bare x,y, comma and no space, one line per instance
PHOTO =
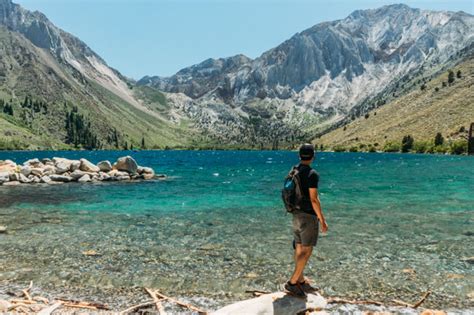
30,76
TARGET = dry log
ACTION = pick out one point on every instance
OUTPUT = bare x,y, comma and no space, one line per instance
159,306
182,304
138,306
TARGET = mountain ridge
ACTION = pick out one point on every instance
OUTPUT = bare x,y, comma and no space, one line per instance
320,78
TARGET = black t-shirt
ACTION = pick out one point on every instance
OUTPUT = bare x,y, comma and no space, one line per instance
309,178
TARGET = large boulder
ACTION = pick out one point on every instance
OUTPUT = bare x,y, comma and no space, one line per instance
273,304
14,177
49,170
75,165
8,166
104,166
37,171
45,179
34,163
127,164
148,173
23,179
4,177
25,170
87,166
60,178
84,179
77,174
62,167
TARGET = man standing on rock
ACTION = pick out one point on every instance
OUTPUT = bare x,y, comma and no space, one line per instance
306,218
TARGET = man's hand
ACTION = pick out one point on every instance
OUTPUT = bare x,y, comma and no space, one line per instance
324,226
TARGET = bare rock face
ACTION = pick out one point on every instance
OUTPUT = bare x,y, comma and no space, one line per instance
87,166
127,164
104,166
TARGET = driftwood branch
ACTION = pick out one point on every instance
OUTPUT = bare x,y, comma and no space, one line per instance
417,304
138,306
182,304
336,300
25,291
159,306
82,304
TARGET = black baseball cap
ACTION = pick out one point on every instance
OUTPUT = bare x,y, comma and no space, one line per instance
306,152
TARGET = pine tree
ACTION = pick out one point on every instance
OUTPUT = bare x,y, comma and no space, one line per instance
450,76
439,140
407,143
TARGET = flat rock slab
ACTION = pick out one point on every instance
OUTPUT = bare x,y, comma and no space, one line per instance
278,303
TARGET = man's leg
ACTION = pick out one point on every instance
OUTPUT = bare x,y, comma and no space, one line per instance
302,254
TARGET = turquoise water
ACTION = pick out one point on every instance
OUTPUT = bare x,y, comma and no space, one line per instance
216,227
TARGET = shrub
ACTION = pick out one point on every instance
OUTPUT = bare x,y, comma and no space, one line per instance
367,116
372,149
339,148
422,147
423,87
440,149
458,147
391,147
353,149
436,89
458,74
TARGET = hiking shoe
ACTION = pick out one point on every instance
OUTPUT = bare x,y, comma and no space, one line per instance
307,287
295,290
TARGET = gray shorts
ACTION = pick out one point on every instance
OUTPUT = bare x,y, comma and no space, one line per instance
305,229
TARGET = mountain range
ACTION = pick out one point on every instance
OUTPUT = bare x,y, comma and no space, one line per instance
319,80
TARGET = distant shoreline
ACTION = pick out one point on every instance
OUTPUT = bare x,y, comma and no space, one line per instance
236,149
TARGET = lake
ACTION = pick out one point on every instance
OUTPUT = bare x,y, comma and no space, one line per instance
399,224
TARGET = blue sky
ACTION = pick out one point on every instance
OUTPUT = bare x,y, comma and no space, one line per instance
159,37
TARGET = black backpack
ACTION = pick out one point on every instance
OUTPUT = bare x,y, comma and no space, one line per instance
291,192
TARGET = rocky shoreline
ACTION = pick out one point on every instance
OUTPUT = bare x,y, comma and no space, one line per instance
61,170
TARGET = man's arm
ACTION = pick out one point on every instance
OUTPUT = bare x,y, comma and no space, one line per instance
313,195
